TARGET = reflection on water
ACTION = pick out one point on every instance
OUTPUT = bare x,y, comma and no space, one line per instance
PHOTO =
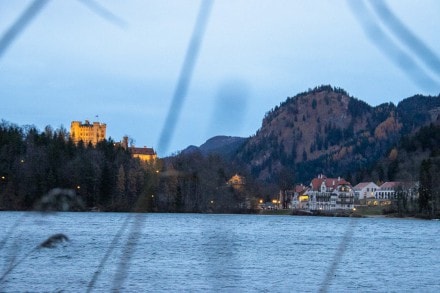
191,252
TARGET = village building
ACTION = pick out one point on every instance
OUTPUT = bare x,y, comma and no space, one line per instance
390,192
237,181
364,191
330,194
299,197
324,194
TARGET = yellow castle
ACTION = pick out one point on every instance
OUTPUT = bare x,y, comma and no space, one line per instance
87,132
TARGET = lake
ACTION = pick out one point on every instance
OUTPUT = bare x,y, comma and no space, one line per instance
227,253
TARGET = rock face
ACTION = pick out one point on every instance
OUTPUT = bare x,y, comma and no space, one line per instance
327,131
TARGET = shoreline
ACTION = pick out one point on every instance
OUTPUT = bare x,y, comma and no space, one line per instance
280,212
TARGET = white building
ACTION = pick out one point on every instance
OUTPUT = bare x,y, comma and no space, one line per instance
389,191
365,190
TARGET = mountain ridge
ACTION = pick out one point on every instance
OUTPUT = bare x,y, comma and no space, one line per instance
220,144
325,130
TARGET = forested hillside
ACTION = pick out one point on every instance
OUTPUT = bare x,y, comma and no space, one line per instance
105,177
32,163
325,130
415,158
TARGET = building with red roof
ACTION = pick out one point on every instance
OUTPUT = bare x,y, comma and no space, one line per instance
330,194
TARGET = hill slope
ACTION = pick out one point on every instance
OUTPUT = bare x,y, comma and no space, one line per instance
325,130
222,145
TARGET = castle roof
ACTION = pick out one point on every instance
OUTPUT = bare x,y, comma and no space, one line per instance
142,151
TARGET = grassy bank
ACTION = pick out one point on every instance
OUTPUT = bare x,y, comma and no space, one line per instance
369,210
276,212
362,211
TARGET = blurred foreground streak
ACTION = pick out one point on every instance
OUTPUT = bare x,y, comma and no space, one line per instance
185,76
408,62
20,24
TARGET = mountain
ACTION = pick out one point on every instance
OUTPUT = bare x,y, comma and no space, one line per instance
418,111
325,130
222,145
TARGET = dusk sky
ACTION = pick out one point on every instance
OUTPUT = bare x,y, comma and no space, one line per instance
76,61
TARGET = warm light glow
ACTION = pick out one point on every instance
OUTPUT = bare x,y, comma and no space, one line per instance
303,198
145,158
78,187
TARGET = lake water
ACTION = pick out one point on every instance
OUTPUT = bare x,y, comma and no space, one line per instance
227,253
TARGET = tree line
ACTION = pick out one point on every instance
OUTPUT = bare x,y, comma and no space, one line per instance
32,163
106,177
